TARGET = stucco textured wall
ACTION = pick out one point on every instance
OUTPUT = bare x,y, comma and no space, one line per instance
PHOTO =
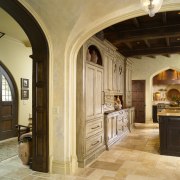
68,25
15,56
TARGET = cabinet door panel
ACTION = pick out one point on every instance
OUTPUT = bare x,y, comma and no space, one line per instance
121,88
106,73
110,73
114,127
109,128
114,76
117,77
90,88
98,93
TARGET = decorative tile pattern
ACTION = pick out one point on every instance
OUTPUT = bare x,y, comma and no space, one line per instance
136,157
8,148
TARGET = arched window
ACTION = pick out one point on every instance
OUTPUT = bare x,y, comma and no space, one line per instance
6,91
8,104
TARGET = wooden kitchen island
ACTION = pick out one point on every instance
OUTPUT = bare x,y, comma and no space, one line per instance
169,131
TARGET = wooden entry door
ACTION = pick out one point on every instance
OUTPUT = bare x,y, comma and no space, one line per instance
8,106
138,100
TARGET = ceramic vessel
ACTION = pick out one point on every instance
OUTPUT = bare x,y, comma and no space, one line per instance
24,152
94,57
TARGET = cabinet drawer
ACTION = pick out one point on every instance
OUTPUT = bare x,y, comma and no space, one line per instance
94,142
94,127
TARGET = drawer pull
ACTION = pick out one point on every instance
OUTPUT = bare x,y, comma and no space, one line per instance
95,143
95,127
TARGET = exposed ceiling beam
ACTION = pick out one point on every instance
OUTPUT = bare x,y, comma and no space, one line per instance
164,18
128,44
136,22
151,51
144,33
166,55
167,41
151,56
137,57
147,43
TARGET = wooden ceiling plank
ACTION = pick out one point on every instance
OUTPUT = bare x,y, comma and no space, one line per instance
151,51
128,44
167,41
147,43
166,55
164,18
136,22
151,56
137,57
148,33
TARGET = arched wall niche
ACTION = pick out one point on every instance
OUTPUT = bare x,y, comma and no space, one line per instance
40,82
95,55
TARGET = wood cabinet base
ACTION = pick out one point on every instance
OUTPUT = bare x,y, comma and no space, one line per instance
91,157
115,139
169,130
116,126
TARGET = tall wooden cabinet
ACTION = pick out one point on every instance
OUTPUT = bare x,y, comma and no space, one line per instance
90,114
102,75
94,91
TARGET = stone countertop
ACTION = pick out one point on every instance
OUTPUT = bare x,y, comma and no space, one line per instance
169,112
173,107
113,111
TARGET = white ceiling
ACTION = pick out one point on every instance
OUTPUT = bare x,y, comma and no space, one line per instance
12,29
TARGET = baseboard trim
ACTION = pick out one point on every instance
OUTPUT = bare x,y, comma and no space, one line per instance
64,168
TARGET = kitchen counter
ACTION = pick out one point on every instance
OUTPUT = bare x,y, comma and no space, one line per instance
169,130
170,112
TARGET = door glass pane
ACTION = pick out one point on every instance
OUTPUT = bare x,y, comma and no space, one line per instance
6,91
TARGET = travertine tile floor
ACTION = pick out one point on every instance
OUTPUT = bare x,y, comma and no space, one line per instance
136,157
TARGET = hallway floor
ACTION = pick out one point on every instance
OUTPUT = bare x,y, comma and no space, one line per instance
136,157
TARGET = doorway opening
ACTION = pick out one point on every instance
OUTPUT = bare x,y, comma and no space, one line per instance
40,82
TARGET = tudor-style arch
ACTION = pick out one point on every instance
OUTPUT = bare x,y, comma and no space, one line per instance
40,104
8,104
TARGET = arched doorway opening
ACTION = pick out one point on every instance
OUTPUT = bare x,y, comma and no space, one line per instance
78,91
8,104
40,82
165,90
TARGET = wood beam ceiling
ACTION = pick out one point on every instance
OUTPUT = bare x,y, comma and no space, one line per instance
145,33
145,36
151,51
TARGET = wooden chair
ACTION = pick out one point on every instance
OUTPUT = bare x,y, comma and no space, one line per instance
21,129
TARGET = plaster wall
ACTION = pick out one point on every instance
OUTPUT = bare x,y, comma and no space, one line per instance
70,24
15,56
146,68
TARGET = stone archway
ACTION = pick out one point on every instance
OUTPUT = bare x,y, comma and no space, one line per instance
40,102
75,42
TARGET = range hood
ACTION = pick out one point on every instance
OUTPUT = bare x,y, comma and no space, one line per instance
169,76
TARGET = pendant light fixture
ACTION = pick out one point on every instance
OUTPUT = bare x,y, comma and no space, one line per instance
151,6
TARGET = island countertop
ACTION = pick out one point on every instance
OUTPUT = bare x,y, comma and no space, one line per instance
169,112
